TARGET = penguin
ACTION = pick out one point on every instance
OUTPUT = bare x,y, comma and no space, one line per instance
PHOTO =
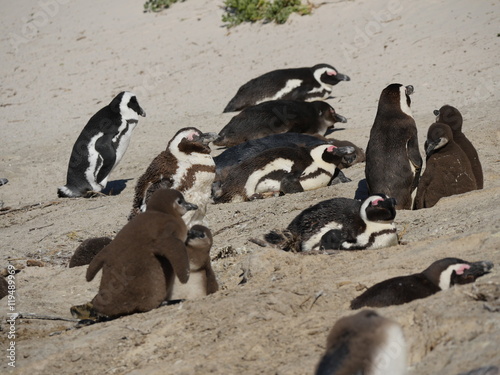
186,165
440,275
393,160
447,170
283,169
302,84
202,280
140,264
236,154
87,250
3,181
100,146
364,343
279,116
451,116
340,224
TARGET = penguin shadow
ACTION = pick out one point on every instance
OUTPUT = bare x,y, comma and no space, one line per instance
115,187
362,191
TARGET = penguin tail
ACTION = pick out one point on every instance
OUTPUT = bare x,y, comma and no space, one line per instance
284,239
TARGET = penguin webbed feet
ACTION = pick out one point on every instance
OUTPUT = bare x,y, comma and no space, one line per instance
87,314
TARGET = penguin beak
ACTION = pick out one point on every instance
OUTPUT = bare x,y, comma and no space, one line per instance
343,150
193,233
189,206
339,118
431,146
475,270
142,112
342,77
409,90
436,112
206,138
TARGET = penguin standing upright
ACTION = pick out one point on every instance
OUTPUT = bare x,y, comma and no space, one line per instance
186,165
289,84
393,160
451,116
447,170
101,145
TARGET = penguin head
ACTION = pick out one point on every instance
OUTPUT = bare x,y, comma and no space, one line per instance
378,207
126,104
447,272
327,75
395,99
169,201
200,238
332,154
191,140
438,136
327,112
450,116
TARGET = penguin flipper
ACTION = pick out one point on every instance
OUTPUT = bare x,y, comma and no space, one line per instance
108,156
212,284
415,159
174,250
332,360
97,263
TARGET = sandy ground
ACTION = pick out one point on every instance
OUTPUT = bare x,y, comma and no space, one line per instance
64,60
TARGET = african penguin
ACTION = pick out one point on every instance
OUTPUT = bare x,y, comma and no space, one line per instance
140,264
278,116
202,280
101,145
451,116
283,169
447,170
364,343
440,275
289,84
393,160
340,224
186,165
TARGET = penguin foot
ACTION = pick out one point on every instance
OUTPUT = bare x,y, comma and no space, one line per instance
87,312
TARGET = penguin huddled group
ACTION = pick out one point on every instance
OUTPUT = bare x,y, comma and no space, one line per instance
276,145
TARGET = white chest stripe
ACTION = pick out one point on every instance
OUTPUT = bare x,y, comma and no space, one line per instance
255,178
290,85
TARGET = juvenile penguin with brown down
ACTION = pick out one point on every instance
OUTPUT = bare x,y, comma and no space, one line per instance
288,84
364,343
202,280
276,117
440,275
447,170
451,116
187,166
393,160
340,224
140,264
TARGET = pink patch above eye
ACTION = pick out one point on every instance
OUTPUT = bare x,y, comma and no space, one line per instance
331,72
375,202
331,148
190,137
461,269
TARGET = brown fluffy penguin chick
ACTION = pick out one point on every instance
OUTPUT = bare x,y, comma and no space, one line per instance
202,280
140,264
447,171
451,116
186,165
87,250
364,343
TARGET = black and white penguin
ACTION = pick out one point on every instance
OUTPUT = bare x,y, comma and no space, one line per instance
284,169
364,343
101,145
340,224
440,275
447,168
393,160
290,84
187,166
237,154
451,116
279,116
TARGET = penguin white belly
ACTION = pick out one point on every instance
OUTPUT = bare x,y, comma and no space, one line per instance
316,182
385,235
195,287
255,181
95,164
200,193
390,358
314,241
290,85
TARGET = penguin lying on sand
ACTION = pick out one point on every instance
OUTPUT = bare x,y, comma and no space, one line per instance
186,165
100,146
286,170
451,116
340,224
447,170
364,343
237,154
288,84
140,264
440,275
278,116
